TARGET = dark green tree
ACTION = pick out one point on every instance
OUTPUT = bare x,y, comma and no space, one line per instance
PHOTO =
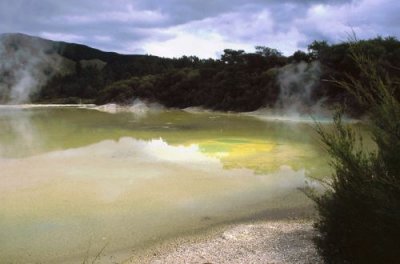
232,57
317,48
268,52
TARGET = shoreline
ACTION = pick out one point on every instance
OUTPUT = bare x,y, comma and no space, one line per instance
28,106
142,108
260,241
274,236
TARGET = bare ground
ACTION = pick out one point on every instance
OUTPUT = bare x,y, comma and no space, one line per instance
283,241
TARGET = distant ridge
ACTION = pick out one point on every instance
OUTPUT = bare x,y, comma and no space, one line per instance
33,68
72,51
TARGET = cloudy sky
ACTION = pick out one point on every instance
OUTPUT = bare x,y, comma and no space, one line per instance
172,28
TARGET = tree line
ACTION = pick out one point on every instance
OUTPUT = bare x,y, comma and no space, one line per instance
237,81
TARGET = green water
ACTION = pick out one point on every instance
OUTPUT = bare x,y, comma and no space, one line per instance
71,178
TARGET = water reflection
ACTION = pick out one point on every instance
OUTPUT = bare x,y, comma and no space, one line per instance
17,128
238,141
71,176
129,190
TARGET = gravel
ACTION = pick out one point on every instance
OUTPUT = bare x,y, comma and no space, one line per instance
288,241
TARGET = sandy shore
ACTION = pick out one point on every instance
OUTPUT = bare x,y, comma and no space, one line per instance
283,241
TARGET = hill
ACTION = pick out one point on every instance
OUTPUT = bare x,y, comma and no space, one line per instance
28,63
39,70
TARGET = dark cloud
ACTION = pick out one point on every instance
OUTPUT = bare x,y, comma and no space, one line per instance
200,27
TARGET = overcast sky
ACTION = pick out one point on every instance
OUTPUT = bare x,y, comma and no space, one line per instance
172,28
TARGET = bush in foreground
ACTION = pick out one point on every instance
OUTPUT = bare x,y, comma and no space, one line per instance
359,214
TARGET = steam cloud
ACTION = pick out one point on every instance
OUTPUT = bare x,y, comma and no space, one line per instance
297,83
24,68
297,101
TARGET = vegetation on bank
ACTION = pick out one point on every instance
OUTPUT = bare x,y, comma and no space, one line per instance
359,214
237,81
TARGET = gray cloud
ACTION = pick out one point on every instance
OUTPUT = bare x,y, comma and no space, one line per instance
199,27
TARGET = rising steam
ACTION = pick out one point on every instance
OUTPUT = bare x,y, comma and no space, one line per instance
297,83
296,101
25,67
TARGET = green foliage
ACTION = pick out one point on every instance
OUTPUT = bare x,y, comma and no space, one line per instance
268,52
300,56
235,82
232,56
337,62
360,212
84,83
317,49
121,92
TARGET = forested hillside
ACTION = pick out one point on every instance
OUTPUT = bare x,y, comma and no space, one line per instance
62,72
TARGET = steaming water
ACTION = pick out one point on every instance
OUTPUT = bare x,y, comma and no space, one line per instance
71,179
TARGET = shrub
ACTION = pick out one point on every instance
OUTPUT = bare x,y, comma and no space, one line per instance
359,214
